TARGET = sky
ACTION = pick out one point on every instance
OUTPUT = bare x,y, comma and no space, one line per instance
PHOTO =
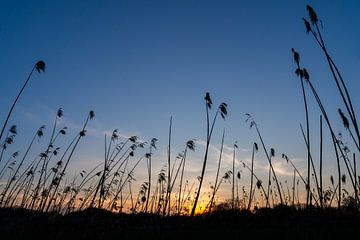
137,63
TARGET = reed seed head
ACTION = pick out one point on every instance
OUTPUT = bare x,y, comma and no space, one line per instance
40,66
312,15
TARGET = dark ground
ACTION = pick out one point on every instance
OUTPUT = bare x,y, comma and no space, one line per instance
280,222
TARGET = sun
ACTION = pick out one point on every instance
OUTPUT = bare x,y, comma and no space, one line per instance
200,209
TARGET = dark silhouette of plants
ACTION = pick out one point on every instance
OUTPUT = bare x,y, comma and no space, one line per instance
226,177
222,109
217,173
336,143
101,184
57,180
296,56
314,174
9,139
252,124
123,182
86,177
303,75
39,133
340,83
119,156
168,191
255,148
152,146
296,171
189,145
272,154
321,165
233,176
121,171
45,158
258,182
103,187
160,191
312,27
346,124
9,164
40,67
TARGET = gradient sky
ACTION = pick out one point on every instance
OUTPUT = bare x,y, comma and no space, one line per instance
136,63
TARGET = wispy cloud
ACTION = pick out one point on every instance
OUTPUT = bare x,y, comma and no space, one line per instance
281,167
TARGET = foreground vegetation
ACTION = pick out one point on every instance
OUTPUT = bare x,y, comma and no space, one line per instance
100,224
36,195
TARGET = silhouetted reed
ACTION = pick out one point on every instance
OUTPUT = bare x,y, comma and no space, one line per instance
233,177
296,56
222,109
340,83
148,157
217,173
39,133
189,145
252,124
40,67
255,148
259,184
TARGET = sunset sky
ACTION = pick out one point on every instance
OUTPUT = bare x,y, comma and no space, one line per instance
136,63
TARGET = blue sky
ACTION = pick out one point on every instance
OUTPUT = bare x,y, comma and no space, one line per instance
136,63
